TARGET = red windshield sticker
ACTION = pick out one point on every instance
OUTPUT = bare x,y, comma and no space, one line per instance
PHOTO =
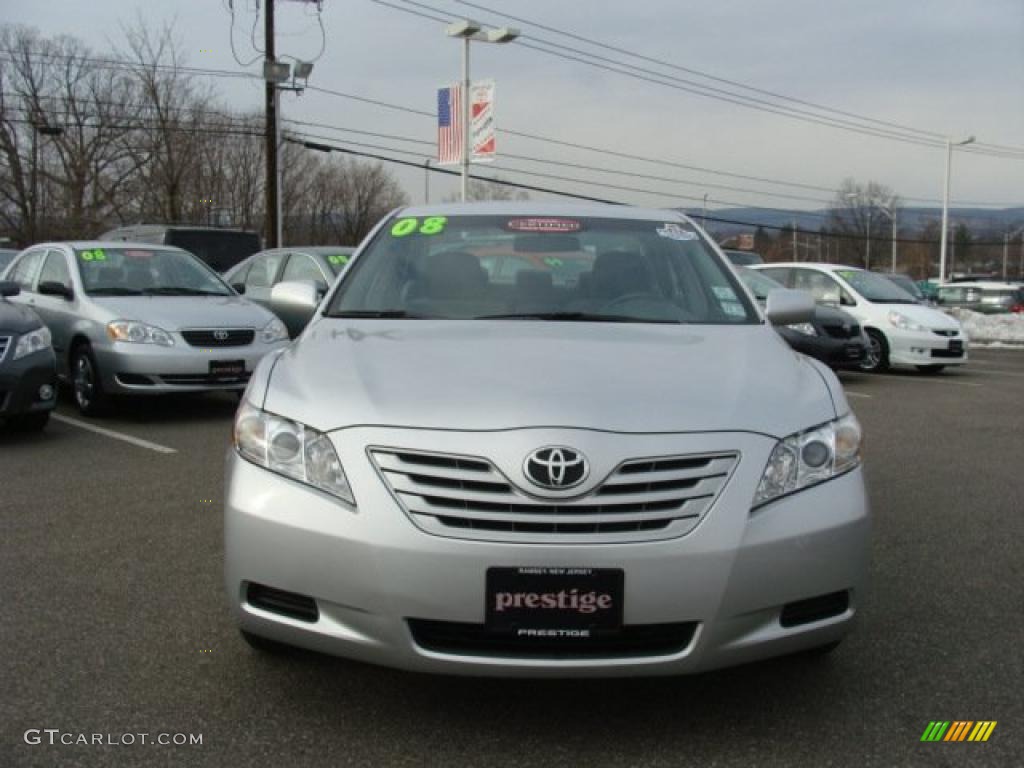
544,225
138,254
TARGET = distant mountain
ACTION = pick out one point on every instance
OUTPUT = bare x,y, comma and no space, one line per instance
980,220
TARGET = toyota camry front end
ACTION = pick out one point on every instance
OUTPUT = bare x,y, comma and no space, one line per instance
545,441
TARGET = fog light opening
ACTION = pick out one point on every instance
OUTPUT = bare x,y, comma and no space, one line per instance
46,392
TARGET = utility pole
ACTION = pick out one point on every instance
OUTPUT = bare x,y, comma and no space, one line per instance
796,254
467,150
272,126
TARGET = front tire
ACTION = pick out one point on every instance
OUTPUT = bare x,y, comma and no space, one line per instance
930,369
876,359
86,382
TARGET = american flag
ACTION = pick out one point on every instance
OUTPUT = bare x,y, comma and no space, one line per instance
449,125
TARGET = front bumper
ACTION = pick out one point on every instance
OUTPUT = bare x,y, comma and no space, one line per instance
371,570
140,369
925,348
21,382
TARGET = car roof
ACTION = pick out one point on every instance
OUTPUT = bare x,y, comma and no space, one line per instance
536,208
983,284
80,244
810,264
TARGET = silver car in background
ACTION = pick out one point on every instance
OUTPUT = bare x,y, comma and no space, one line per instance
141,319
259,275
603,463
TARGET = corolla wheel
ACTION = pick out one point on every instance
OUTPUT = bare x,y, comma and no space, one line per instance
85,381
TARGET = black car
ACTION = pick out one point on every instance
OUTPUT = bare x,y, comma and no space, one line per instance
832,336
28,367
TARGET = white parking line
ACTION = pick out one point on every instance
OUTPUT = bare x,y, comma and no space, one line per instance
931,380
115,435
858,394
1000,372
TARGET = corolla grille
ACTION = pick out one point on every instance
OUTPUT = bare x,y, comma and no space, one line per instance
219,337
467,497
5,342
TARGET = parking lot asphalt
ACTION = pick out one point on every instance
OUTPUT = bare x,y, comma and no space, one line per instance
115,621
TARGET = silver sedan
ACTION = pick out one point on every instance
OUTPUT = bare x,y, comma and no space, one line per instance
601,462
141,319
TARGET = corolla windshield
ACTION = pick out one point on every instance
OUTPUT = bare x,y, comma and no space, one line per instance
875,288
140,271
584,269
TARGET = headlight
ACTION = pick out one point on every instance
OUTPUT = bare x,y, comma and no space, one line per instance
291,449
273,331
33,341
812,457
138,333
901,321
805,328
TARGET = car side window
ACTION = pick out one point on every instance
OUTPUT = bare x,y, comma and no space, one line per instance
24,271
822,287
263,270
302,267
779,274
55,270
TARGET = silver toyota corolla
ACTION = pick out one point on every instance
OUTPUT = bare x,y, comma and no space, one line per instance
538,440
141,319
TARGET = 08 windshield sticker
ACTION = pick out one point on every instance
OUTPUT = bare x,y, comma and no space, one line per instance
673,231
432,225
339,259
96,254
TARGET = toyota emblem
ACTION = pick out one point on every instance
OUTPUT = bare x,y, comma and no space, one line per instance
556,467
221,335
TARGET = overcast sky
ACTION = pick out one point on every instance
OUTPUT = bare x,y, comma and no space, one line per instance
954,67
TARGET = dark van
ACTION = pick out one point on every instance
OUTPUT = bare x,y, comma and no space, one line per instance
220,248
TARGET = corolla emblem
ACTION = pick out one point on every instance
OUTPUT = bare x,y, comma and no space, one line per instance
556,467
221,335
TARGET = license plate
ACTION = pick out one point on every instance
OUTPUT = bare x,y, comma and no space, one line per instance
548,602
227,368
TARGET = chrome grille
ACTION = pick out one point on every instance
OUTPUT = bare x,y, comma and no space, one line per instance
468,497
219,337
5,342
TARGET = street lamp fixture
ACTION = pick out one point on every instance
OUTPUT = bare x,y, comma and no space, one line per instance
468,30
945,203
277,71
302,69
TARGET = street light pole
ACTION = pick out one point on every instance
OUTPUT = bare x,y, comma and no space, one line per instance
704,210
470,30
945,204
867,243
1006,250
426,181
891,213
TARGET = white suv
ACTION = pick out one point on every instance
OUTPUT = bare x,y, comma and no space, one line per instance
901,331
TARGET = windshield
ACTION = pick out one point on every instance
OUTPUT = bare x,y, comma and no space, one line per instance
141,271
552,268
875,288
759,285
907,285
5,258
221,249
335,256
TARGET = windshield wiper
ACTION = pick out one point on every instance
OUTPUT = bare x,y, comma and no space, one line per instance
177,290
586,317
380,313
113,290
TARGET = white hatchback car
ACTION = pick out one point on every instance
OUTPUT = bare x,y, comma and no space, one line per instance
901,330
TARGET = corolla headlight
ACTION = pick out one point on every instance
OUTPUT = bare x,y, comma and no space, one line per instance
291,449
901,321
808,458
805,328
33,341
274,331
138,333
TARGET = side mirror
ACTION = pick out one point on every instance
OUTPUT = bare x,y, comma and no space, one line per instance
9,288
294,301
788,307
53,288
239,287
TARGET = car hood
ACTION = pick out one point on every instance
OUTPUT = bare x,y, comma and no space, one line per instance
930,318
173,313
17,319
490,375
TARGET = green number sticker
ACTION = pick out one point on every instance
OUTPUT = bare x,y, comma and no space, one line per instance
404,227
432,225
552,262
341,259
95,255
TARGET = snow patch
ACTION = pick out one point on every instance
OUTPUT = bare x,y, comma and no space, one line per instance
995,330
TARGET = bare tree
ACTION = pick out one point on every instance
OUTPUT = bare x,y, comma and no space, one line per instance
481,191
854,214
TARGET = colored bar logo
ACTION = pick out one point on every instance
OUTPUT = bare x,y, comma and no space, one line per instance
958,730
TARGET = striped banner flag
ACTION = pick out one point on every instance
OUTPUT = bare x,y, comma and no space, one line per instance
449,125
